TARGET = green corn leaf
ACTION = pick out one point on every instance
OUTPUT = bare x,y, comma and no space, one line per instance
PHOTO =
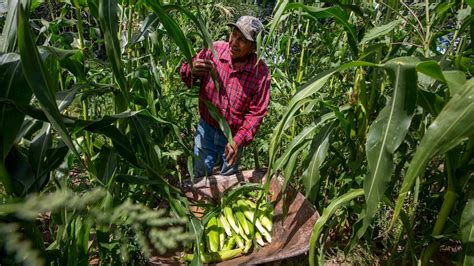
83,241
189,164
317,154
205,219
296,145
379,31
431,69
152,154
79,3
467,228
290,167
430,101
301,141
223,125
143,140
387,133
259,46
109,25
94,8
148,24
53,159
196,228
407,224
334,12
72,60
451,127
65,98
177,132
120,142
199,21
29,125
37,77
165,187
470,3
328,212
454,78
35,4
172,28
13,86
97,124
295,103
277,18
58,53
467,22
102,126
9,33
299,100
107,162
39,148
20,172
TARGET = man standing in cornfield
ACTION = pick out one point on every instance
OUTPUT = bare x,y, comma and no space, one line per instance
241,98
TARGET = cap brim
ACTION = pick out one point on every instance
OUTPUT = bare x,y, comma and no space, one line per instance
247,36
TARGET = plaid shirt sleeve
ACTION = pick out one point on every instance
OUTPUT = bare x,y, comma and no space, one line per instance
185,71
258,108
186,75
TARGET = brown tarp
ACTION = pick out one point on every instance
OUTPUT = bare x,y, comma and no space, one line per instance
290,236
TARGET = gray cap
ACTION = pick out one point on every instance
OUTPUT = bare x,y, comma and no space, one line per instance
249,26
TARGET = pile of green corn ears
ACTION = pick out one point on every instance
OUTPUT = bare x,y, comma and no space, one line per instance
243,218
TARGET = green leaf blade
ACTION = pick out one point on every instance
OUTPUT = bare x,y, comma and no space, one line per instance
223,125
37,77
172,28
379,31
451,127
467,228
13,86
318,152
328,212
9,33
387,133
109,25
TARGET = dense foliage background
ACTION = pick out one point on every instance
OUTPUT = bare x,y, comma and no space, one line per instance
371,117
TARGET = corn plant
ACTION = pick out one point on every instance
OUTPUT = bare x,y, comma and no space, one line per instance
377,131
370,111
100,110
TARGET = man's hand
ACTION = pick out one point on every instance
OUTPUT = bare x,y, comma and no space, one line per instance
231,151
201,67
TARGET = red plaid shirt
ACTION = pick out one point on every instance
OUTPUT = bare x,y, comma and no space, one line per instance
243,96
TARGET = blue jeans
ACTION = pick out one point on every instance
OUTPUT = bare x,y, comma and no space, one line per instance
209,146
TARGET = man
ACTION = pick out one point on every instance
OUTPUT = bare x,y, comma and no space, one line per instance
241,98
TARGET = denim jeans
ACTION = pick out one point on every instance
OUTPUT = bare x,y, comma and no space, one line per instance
209,146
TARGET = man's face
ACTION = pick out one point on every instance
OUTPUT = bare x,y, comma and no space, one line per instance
240,47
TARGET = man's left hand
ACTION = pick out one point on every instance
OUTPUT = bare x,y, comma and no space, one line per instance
231,151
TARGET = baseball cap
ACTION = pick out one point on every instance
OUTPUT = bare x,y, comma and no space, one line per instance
249,26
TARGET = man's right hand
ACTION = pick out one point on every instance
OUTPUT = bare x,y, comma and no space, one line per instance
201,67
